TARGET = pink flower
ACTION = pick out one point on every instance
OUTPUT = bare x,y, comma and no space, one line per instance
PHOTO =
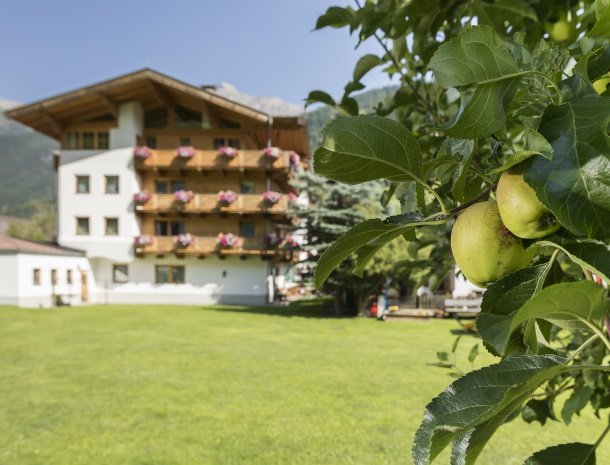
227,240
184,240
272,152
141,152
183,196
227,197
142,240
228,152
141,197
295,160
186,151
271,197
292,197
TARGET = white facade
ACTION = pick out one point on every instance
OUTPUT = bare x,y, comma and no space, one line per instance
208,281
18,285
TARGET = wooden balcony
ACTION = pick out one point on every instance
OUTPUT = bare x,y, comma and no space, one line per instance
209,160
202,246
208,203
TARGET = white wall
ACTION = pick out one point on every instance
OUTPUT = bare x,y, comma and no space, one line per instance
17,279
129,127
97,204
8,280
245,282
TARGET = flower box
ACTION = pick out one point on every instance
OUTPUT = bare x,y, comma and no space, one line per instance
228,152
272,153
142,240
186,151
227,197
271,240
141,152
227,241
184,240
183,196
141,198
271,197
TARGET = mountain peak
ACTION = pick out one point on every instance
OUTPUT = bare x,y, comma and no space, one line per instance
274,106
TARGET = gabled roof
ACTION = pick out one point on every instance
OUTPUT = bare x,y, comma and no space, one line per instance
48,115
11,245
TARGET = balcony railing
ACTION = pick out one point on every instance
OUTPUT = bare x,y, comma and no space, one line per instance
212,160
207,245
208,203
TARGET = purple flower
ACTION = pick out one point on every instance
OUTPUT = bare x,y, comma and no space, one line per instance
227,240
141,152
141,197
227,197
271,197
184,240
183,196
272,152
142,240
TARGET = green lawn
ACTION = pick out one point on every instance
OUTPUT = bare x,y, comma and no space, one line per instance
228,385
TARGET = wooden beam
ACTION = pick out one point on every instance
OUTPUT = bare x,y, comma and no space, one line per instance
161,95
53,122
110,105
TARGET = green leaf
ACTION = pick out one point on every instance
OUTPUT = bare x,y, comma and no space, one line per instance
601,28
318,96
461,151
367,233
482,110
575,183
473,354
514,160
476,399
348,105
575,403
592,255
365,148
365,64
575,453
538,410
336,17
471,58
558,303
600,7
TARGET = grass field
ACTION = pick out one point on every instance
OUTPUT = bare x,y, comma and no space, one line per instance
228,385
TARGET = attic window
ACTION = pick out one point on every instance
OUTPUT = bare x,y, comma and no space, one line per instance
187,117
155,118
228,124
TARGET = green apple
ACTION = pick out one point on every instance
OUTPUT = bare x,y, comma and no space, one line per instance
562,30
521,211
483,248
601,84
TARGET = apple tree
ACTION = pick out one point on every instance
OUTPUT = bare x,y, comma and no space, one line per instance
496,141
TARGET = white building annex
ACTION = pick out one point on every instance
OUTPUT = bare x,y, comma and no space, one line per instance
173,194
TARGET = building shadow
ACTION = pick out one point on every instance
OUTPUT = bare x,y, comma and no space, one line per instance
315,308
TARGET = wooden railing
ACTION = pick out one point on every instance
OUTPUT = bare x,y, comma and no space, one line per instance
207,245
212,160
207,203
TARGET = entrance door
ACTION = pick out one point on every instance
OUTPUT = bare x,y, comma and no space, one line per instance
84,289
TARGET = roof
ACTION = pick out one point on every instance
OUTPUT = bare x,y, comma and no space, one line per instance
11,245
48,115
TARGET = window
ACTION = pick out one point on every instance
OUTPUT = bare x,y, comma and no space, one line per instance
155,118
219,142
169,228
169,274
246,229
151,142
72,140
112,184
36,276
233,143
112,227
247,187
184,141
120,273
82,184
82,226
103,140
187,118
88,140
53,277
164,186
69,276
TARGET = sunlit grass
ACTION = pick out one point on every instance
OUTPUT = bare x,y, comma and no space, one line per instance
186,385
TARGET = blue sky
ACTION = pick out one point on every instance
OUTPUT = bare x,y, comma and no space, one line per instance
263,47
